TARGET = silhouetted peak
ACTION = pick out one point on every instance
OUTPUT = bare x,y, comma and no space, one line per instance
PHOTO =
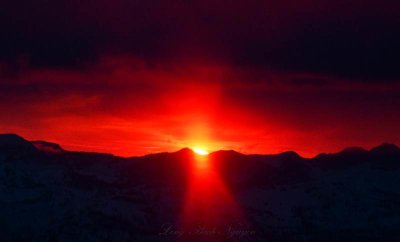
289,155
186,151
47,146
13,140
12,143
9,139
353,151
224,153
386,148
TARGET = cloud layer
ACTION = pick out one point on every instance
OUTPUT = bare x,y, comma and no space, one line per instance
137,77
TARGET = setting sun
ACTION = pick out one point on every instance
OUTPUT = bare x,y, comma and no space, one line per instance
200,151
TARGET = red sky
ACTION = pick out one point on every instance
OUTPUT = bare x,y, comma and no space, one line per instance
134,78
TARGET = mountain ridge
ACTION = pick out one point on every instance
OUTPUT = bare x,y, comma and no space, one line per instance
14,140
92,196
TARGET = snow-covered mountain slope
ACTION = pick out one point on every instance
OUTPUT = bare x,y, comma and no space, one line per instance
353,195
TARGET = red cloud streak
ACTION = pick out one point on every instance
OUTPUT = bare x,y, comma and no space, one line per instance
126,106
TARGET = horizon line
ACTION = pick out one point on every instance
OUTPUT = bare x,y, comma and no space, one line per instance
191,149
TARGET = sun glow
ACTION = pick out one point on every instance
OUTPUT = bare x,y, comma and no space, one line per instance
200,151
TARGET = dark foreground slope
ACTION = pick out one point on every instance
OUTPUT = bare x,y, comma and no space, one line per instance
48,194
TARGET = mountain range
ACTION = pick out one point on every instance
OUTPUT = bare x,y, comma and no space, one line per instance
50,194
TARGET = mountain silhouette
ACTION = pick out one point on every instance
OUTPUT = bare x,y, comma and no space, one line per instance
47,146
50,194
386,149
14,145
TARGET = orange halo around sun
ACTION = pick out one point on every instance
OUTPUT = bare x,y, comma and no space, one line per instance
200,151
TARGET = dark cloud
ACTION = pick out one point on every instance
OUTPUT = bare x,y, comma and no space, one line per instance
356,39
363,51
